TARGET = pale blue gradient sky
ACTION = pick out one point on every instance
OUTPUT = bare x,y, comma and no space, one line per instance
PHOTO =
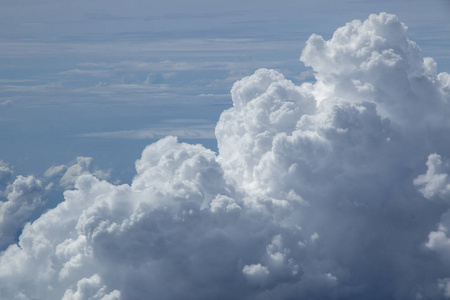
105,78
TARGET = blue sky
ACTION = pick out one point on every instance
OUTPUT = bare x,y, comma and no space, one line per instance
75,74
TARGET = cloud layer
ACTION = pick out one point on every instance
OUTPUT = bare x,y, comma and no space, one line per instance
336,189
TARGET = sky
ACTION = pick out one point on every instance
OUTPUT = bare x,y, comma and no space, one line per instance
224,150
103,79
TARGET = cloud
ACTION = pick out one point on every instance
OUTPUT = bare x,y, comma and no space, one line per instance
435,181
187,132
23,196
5,174
67,175
6,103
91,288
256,274
318,191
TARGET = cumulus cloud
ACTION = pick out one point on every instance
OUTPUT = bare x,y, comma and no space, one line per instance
23,196
6,174
319,191
435,181
67,175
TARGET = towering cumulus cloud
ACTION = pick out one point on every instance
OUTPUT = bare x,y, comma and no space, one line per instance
337,189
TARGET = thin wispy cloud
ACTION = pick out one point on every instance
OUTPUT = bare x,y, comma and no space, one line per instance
186,132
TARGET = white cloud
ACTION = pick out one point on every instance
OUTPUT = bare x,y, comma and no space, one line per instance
6,103
67,175
256,274
445,285
435,181
5,174
74,171
55,171
318,191
23,196
187,132
91,288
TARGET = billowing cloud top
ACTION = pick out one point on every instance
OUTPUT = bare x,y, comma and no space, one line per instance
337,189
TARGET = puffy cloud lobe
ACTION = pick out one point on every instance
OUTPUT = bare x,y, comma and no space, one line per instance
5,174
256,274
24,195
434,185
375,61
265,105
68,174
178,232
435,181
91,288
278,266
319,191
